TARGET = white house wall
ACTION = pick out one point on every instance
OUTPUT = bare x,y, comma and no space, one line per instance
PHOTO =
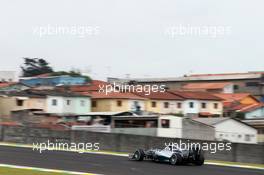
74,107
55,109
258,113
188,110
175,130
235,131
228,89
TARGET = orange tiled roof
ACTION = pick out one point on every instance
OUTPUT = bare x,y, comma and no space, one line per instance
198,95
206,85
232,97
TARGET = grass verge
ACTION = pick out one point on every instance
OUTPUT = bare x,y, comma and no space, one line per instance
17,171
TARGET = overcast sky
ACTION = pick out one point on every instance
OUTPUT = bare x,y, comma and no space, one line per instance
131,36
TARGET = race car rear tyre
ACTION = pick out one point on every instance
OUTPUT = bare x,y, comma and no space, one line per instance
179,159
199,160
139,155
173,159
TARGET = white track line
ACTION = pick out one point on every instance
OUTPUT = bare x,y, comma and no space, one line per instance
45,170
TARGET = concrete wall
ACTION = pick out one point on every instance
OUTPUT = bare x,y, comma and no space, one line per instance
136,131
196,130
126,143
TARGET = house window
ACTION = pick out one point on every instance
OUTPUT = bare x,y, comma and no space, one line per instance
153,104
119,103
166,104
54,102
179,105
94,104
68,102
203,105
82,103
191,104
236,87
215,105
19,102
252,84
247,137
165,123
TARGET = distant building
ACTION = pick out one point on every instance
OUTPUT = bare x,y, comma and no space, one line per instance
8,76
257,123
251,82
116,102
163,103
200,104
254,111
162,126
48,101
53,80
228,129
235,102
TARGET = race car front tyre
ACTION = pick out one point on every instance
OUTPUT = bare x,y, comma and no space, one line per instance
173,159
139,155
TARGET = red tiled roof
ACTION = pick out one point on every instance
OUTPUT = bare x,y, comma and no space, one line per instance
252,107
205,85
3,85
115,95
94,85
206,113
159,96
197,95
9,124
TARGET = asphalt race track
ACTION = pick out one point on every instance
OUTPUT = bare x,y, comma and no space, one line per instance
108,164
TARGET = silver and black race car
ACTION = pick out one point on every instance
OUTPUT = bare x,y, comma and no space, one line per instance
170,154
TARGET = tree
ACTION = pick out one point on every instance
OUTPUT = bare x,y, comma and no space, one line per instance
35,66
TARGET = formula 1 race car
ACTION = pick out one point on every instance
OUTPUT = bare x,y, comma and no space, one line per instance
170,154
